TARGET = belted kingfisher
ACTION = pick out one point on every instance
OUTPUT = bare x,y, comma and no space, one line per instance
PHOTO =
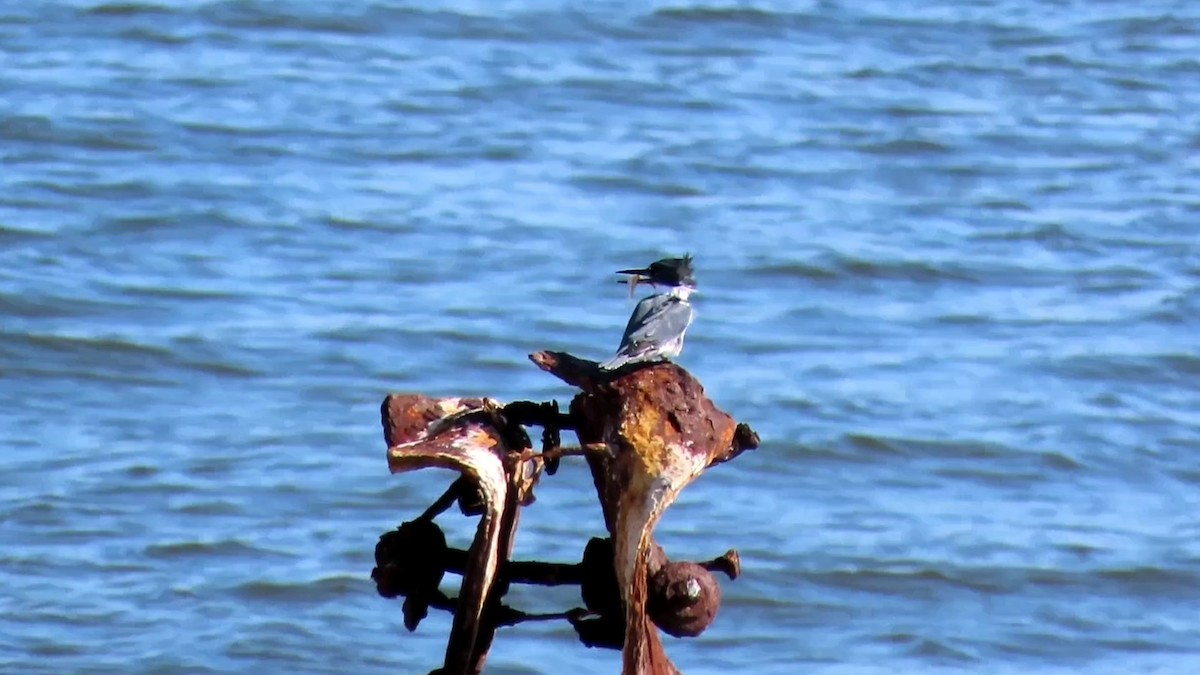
656,328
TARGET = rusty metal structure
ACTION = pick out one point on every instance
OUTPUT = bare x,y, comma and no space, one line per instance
646,432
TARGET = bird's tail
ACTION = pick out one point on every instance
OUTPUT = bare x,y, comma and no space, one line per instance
615,362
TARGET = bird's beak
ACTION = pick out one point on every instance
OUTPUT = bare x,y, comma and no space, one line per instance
635,277
639,272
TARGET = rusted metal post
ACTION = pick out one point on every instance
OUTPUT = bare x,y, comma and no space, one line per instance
659,432
646,433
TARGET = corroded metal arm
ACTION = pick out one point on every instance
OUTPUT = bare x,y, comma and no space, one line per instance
661,432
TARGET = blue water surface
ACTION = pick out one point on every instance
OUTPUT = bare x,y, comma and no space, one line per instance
949,266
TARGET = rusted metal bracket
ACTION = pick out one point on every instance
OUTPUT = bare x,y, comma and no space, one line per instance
646,433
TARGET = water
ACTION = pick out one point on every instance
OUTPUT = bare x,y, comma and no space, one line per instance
949,270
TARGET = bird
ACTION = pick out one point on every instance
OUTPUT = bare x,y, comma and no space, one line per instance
656,328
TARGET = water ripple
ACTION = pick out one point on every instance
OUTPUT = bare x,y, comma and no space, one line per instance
947,269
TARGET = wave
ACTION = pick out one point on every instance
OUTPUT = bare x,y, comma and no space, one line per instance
1136,581
224,549
835,266
317,590
125,9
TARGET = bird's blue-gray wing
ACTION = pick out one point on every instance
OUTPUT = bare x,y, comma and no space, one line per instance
641,313
656,320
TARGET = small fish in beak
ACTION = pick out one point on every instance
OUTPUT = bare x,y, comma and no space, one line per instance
637,276
633,283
